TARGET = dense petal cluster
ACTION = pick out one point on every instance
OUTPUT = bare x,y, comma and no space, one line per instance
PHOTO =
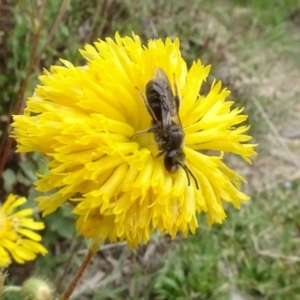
18,238
84,118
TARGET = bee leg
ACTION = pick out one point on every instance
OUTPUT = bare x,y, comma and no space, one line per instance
160,153
149,130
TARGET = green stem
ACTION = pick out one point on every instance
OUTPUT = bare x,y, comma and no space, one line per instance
11,288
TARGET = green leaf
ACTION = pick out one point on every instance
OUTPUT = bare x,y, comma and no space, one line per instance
9,179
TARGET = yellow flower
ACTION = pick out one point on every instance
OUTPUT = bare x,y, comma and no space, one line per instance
17,236
84,118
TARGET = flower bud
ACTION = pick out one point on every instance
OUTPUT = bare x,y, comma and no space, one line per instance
36,288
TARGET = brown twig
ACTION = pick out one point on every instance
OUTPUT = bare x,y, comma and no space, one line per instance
34,60
61,13
97,13
105,11
19,107
91,252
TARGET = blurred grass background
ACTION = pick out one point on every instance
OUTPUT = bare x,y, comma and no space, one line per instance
254,48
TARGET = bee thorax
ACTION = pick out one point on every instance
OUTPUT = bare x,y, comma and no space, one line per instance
171,139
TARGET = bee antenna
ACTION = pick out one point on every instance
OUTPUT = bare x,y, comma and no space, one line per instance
188,173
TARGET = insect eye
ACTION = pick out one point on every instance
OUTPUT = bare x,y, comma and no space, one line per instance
173,159
170,161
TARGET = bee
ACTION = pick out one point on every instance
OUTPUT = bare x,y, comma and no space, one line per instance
163,107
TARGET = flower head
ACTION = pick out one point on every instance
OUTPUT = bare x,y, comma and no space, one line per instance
84,119
17,236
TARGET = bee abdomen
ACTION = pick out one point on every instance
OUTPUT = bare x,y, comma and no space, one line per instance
154,100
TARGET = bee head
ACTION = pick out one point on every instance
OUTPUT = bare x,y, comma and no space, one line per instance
173,160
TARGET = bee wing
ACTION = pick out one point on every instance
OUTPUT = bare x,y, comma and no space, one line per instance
165,91
170,103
